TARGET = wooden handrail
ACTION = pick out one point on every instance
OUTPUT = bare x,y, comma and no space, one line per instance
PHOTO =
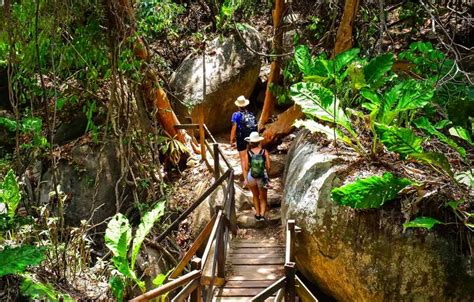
193,249
205,255
303,291
203,197
167,287
269,291
186,291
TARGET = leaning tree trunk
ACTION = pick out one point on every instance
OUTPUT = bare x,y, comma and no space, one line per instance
344,32
274,76
284,125
122,18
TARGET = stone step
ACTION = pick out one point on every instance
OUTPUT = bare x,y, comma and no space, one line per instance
246,219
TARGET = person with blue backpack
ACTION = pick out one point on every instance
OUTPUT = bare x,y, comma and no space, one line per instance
256,165
243,123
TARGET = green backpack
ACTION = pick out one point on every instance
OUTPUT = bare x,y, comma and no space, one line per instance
257,163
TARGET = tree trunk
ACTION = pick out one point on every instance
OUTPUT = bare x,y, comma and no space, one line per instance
274,76
282,126
122,19
344,32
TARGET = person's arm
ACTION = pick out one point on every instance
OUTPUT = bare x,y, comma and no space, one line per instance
267,161
233,131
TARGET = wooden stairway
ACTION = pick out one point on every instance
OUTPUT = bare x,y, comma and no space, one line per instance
252,265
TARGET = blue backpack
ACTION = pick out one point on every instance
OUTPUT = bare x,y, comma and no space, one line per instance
248,123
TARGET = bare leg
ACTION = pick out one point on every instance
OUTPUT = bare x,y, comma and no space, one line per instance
241,155
263,201
256,204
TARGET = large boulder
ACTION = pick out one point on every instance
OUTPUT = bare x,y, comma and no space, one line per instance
231,70
357,255
77,178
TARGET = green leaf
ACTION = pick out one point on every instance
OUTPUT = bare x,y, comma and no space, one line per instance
9,124
442,124
41,291
319,102
303,59
144,228
454,204
117,285
422,222
118,235
436,159
400,140
460,132
376,69
16,260
414,95
466,178
10,193
370,192
161,278
424,124
343,59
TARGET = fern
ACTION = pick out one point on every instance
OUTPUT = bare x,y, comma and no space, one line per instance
424,124
371,192
400,140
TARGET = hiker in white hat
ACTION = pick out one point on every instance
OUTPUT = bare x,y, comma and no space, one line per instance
256,165
243,123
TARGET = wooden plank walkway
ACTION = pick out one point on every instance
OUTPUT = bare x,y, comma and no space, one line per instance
252,266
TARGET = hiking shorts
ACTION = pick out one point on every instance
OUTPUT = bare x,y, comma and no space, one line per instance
259,182
241,143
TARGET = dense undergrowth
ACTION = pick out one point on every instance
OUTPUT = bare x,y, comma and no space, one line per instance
401,105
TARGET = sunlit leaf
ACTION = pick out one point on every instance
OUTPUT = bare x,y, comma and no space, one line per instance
436,159
400,140
422,222
370,192
461,133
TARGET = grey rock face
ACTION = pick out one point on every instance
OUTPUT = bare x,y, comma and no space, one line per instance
365,255
77,179
231,70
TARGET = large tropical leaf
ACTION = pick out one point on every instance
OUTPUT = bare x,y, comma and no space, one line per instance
370,192
10,193
376,69
42,291
400,140
344,58
303,59
319,102
424,124
466,177
16,260
414,95
118,235
327,131
117,285
144,228
462,133
422,222
435,159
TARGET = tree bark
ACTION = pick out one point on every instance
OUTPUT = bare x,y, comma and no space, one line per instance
344,32
282,126
122,19
274,76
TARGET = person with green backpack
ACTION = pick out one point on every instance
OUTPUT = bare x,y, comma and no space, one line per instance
256,165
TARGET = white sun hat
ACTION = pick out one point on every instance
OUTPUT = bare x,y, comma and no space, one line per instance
241,101
254,137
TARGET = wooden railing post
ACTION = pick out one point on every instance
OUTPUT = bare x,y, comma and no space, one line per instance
217,171
196,296
290,271
220,247
291,234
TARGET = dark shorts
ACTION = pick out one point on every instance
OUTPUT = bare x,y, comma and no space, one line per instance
241,144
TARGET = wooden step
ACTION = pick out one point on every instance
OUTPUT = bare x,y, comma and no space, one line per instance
259,261
248,283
